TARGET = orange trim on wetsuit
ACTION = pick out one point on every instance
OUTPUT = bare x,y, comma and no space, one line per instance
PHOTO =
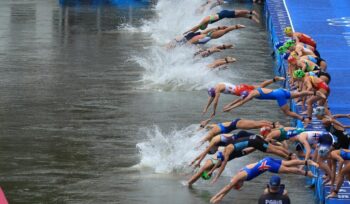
320,85
306,39
243,87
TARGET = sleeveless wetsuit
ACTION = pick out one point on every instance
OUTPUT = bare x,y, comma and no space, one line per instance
229,88
226,14
320,85
230,128
266,164
254,141
286,135
243,87
280,95
306,39
343,139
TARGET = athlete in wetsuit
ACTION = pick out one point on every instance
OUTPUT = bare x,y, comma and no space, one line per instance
203,38
335,127
215,162
313,83
251,171
241,90
280,95
227,127
225,14
280,134
300,37
220,140
254,141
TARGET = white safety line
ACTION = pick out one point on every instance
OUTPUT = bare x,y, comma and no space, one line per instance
290,19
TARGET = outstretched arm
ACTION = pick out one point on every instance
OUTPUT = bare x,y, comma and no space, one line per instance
232,103
241,102
228,150
210,100
215,105
341,116
306,146
203,154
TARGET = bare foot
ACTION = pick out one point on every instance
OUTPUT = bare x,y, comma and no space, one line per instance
254,18
332,195
278,78
255,13
238,26
204,123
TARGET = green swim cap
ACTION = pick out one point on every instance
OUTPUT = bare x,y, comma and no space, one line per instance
289,43
282,50
298,74
205,175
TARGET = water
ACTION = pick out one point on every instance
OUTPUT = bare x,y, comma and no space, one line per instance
94,110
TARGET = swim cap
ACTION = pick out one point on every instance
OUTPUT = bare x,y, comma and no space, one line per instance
289,43
282,49
211,92
265,130
244,94
288,30
205,175
298,74
326,139
319,110
220,156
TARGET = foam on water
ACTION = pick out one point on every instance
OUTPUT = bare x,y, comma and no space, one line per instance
175,69
168,152
172,152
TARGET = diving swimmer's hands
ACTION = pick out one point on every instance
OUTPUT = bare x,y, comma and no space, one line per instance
204,123
239,26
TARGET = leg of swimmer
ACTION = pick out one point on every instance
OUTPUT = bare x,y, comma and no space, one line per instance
214,131
206,167
293,170
340,177
204,23
272,149
309,103
292,114
219,33
252,124
282,149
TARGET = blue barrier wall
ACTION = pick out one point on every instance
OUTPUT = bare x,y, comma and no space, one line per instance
277,18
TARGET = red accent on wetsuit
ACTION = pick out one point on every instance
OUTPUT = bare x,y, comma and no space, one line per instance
243,87
264,166
306,39
320,85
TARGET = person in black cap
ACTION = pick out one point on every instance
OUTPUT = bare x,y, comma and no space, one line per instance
275,192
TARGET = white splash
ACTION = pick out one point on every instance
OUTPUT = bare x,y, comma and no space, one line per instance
170,152
176,69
